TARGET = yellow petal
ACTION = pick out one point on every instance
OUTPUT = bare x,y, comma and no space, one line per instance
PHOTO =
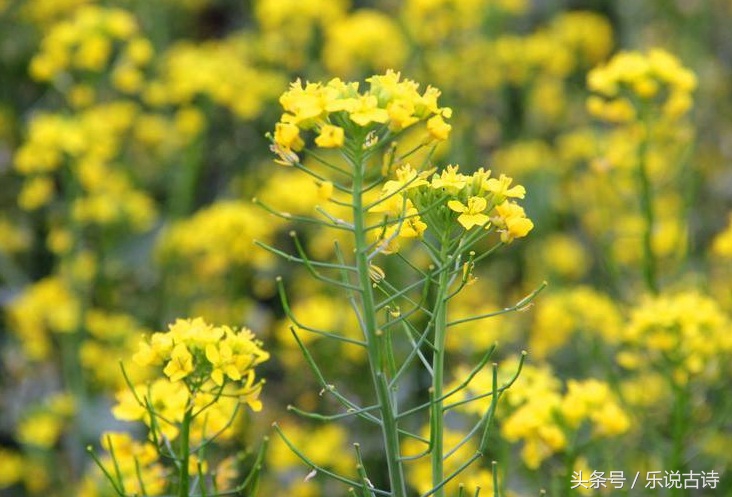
456,206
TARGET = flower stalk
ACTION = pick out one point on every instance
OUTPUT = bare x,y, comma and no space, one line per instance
446,215
646,201
374,337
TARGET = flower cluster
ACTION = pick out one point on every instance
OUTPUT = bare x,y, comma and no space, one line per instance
39,428
367,38
450,197
230,226
195,352
631,80
581,311
89,141
685,333
542,412
204,368
546,420
390,105
86,42
217,70
45,308
431,22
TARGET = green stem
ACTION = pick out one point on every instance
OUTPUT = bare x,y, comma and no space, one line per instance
374,337
570,459
680,420
438,367
184,481
646,199
185,181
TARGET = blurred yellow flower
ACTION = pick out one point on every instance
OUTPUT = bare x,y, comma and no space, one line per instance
330,136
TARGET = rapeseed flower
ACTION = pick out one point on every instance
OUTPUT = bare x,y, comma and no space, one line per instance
333,107
330,137
450,180
631,77
512,221
204,367
472,214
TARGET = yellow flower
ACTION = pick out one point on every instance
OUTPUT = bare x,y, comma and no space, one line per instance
401,114
222,360
610,420
407,178
472,214
366,38
136,464
36,193
41,429
450,180
180,364
367,111
438,128
330,137
413,226
287,135
128,408
168,400
500,188
325,190
512,218
303,104
155,352
139,50
11,468
226,473
722,244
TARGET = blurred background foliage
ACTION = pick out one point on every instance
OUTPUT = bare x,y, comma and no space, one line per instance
132,139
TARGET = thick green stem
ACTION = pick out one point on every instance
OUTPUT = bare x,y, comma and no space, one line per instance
374,338
646,199
184,482
438,366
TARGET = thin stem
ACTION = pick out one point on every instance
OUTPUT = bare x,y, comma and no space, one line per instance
362,471
300,219
320,159
440,487
253,475
646,201
374,342
488,416
680,421
330,388
438,366
330,417
319,177
112,480
520,305
320,469
415,352
292,258
494,470
500,390
185,432
461,386
293,318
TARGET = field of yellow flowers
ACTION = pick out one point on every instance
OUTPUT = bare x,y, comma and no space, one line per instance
319,248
